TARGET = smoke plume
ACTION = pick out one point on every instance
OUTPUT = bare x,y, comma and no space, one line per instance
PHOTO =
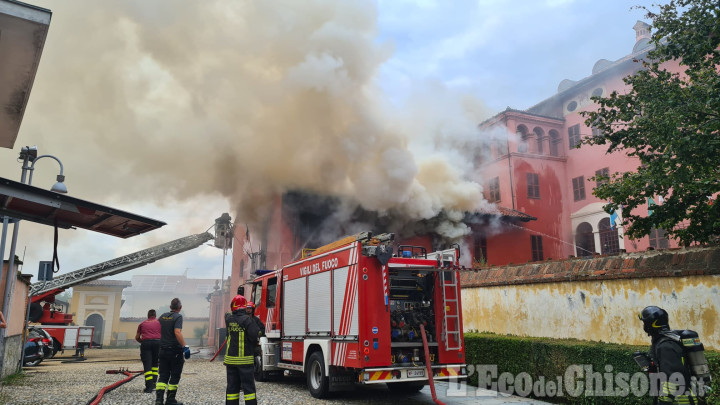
248,100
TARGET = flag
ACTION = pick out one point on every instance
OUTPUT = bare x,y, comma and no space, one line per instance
613,219
661,200
650,203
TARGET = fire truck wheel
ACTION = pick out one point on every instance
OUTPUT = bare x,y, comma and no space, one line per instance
406,387
318,383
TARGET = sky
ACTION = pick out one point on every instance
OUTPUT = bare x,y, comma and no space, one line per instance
182,110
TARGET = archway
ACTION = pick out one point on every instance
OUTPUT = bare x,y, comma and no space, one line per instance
584,240
99,323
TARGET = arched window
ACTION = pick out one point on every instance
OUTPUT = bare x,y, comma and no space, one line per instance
609,241
584,240
540,138
522,135
554,143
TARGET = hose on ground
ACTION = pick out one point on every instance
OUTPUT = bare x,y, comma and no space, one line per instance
130,376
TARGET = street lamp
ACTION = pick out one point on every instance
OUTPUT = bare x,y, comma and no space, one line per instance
27,154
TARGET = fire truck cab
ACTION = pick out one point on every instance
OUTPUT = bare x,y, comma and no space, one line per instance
351,313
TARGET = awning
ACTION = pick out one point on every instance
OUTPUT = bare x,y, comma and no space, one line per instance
34,204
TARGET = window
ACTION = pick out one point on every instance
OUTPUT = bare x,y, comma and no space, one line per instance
555,143
500,147
522,134
494,190
596,132
257,293
579,188
480,249
533,185
584,240
537,248
609,240
539,135
604,172
658,239
572,106
574,136
271,292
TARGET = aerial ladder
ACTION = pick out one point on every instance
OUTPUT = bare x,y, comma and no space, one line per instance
45,291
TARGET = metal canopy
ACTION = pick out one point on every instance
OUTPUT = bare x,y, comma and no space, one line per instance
34,204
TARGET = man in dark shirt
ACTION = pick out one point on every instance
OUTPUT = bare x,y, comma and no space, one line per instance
173,353
148,335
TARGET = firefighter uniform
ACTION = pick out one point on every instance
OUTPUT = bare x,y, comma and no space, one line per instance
242,334
668,359
668,356
171,358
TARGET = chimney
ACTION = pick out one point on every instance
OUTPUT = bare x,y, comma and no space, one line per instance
642,31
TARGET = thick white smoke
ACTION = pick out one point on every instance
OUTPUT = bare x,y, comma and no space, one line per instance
175,99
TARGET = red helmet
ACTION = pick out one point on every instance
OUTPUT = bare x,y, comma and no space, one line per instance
250,304
238,302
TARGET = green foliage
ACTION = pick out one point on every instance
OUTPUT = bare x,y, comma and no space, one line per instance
552,357
200,331
15,379
671,123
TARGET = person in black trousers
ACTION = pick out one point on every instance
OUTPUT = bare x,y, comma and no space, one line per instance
173,353
148,335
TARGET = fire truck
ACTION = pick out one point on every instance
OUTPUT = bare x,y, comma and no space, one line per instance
57,323
353,312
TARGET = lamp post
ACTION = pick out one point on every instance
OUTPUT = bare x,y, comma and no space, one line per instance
28,154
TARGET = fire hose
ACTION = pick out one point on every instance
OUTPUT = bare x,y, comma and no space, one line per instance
218,352
428,366
130,375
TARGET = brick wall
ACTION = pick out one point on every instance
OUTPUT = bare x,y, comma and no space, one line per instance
665,263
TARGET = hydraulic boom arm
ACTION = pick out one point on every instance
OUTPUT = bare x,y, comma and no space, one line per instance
120,264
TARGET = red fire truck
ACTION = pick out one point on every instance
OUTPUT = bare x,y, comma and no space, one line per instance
350,313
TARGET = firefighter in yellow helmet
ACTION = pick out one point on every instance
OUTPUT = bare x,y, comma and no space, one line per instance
668,361
242,335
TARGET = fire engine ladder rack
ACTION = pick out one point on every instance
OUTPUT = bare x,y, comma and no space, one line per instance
121,264
451,323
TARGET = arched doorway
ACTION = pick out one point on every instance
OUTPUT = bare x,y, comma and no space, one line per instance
584,240
98,322
609,240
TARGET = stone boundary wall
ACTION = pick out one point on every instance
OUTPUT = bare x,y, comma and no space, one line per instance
658,263
597,298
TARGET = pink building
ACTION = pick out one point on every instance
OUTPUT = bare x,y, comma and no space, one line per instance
538,171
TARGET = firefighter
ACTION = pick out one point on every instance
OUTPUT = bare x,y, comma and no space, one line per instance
148,335
250,310
242,335
667,356
173,353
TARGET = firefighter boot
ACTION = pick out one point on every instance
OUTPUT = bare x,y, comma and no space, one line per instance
171,398
160,398
149,385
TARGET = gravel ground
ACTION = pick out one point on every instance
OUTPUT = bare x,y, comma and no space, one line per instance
63,381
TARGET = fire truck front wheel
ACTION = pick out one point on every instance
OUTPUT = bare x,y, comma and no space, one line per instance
318,383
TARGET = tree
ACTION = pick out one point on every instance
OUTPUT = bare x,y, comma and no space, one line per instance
671,122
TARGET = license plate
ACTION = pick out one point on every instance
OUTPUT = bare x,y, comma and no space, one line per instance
416,373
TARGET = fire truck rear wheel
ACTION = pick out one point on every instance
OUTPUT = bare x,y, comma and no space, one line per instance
318,383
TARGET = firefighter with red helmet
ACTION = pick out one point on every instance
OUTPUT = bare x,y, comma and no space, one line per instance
242,334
